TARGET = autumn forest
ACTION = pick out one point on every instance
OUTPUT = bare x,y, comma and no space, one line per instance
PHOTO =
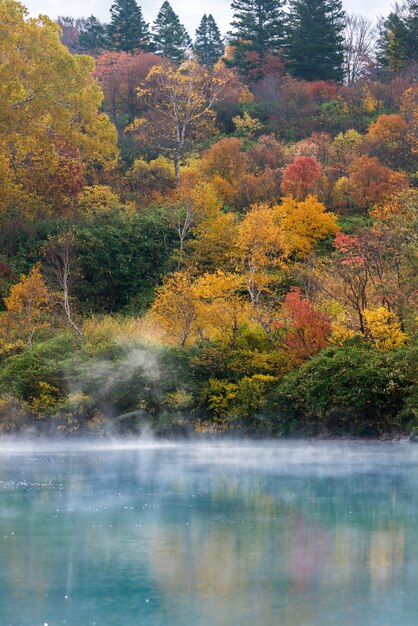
209,234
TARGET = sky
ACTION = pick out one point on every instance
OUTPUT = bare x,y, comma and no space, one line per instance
190,11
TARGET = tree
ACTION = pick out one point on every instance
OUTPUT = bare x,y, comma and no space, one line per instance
315,39
122,256
221,305
127,30
348,277
268,237
301,177
214,231
358,47
261,250
391,43
51,131
396,225
174,308
151,182
350,390
208,45
370,181
376,267
398,37
268,152
304,223
257,31
306,329
223,165
169,37
346,147
387,139
119,74
93,35
96,199
28,304
71,29
179,105
383,329
409,110
60,253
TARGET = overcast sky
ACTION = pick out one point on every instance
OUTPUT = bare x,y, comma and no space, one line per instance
190,11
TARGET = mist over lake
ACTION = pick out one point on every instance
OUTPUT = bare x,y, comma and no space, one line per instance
185,534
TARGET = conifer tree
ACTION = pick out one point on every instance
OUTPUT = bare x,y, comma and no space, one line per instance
170,38
127,30
315,39
257,29
93,37
398,37
208,44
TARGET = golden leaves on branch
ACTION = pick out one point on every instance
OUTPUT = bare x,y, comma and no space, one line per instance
28,307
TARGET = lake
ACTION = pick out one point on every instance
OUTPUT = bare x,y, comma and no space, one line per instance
208,534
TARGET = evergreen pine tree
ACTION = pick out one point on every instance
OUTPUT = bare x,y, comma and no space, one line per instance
398,37
170,38
315,39
93,37
208,44
412,37
127,30
257,29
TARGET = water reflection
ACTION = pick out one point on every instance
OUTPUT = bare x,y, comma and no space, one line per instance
301,535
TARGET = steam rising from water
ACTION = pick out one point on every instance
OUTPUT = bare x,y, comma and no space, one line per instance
282,457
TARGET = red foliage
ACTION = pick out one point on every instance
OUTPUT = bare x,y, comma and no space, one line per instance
267,153
323,91
272,65
301,177
370,181
307,328
119,74
251,189
288,104
350,249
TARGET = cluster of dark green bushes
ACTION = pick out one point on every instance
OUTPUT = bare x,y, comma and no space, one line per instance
120,256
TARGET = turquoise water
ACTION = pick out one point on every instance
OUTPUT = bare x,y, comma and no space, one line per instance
287,534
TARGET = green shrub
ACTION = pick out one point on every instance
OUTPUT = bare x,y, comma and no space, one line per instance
351,390
37,376
122,257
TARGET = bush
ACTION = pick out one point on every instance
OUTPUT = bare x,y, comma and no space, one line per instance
37,375
353,391
122,257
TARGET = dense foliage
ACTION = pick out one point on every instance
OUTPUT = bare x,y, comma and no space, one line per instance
202,237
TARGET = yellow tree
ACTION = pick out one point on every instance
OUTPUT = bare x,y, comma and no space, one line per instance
221,305
179,104
174,309
261,249
51,127
28,304
98,199
304,224
197,210
383,329
268,236
193,202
